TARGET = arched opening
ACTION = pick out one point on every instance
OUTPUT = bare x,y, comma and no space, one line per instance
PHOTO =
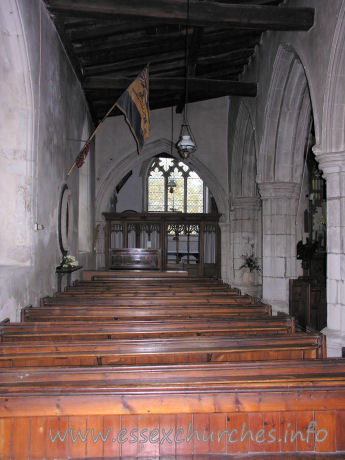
330,154
283,151
181,219
245,205
17,136
132,190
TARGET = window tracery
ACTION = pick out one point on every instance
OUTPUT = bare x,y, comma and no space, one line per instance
173,187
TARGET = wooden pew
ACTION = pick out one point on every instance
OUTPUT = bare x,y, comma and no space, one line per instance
147,290
140,297
162,351
257,407
151,281
148,301
154,279
129,313
30,331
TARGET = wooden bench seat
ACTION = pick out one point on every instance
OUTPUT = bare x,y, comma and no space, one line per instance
148,289
118,313
239,400
148,301
162,351
150,294
152,282
275,325
154,279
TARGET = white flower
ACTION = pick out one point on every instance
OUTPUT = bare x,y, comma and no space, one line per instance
68,261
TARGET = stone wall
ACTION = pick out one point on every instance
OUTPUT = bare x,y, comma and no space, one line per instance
43,116
301,78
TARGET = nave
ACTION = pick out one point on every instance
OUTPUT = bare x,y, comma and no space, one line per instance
168,367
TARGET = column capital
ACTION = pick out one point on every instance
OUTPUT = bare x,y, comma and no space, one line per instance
248,202
224,225
330,162
288,190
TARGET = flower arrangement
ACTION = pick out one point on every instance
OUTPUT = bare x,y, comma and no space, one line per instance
68,262
251,262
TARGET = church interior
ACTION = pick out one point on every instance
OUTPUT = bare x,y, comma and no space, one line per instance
176,280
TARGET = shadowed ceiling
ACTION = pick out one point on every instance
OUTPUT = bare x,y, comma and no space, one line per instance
110,41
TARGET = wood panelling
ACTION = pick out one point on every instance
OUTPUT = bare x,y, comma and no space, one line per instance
242,433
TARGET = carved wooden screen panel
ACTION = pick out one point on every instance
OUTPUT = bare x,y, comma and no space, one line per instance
188,242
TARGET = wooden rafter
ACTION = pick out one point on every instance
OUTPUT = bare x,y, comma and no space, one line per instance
175,84
201,13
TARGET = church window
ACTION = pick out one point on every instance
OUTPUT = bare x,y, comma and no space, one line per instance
173,187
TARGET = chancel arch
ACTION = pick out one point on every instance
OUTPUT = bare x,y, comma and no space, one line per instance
114,175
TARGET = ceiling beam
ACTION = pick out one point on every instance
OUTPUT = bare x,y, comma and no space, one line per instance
160,59
134,63
201,13
224,87
159,103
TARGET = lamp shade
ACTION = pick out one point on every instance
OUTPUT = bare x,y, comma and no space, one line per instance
186,143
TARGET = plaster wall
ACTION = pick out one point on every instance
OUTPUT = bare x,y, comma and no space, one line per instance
131,194
42,110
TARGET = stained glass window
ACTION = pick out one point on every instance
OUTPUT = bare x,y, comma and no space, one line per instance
156,187
173,187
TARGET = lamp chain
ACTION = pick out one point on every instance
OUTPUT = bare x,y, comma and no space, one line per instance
172,130
186,67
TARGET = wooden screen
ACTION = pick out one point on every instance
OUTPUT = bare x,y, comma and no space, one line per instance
177,241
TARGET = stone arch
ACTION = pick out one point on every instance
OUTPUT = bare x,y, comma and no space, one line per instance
333,125
245,205
287,119
17,139
330,153
287,122
243,159
119,169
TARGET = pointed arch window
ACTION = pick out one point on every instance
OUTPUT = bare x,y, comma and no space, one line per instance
173,187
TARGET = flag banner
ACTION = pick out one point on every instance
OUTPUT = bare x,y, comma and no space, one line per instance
80,160
134,104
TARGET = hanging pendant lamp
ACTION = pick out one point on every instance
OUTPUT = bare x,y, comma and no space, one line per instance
186,143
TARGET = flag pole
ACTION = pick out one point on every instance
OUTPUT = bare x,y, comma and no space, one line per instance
91,136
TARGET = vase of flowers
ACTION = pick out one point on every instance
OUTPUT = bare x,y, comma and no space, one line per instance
249,267
251,262
68,262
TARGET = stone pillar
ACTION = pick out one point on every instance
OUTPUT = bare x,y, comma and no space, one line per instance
100,245
279,206
244,233
333,167
225,235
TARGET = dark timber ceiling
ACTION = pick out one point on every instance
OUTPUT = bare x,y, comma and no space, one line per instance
110,41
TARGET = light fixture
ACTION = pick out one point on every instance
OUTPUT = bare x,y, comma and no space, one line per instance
171,185
186,143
